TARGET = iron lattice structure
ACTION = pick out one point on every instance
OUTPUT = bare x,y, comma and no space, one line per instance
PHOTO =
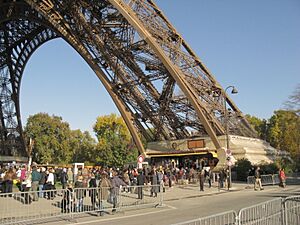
161,88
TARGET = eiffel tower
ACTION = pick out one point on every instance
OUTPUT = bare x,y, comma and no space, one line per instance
160,86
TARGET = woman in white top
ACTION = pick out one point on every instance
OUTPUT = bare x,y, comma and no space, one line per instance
50,184
50,178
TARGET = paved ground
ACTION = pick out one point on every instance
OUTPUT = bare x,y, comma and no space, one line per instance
181,203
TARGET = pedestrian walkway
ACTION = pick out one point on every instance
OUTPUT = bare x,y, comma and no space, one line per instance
193,190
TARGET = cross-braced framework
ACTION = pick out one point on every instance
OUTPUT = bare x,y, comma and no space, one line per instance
161,88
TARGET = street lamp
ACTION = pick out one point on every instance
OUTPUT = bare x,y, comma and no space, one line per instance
233,91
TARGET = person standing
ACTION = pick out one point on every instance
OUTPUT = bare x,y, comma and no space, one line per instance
202,179
141,180
116,183
126,179
26,185
79,193
35,177
93,190
50,184
154,183
70,175
282,178
42,181
64,178
257,179
160,180
105,186
8,180
221,178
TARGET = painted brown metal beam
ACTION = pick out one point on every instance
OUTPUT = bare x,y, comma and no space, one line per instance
173,70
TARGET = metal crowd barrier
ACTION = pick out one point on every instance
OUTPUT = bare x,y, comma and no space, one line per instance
228,218
292,210
270,179
279,211
20,207
65,204
269,212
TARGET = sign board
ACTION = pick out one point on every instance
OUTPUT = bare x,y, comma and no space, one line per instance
230,161
76,167
140,159
228,152
196,144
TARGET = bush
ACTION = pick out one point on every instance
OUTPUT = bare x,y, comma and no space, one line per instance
270,168
243,166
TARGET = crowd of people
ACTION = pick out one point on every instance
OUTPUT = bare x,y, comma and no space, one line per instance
43,181
39,178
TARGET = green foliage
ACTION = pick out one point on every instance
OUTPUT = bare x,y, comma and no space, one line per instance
114,142
271,168
55,142
259,125
51,138
83,147
282,131
243,166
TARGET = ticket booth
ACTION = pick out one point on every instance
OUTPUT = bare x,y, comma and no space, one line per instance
76,168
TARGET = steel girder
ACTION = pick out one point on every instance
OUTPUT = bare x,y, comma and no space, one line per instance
161,88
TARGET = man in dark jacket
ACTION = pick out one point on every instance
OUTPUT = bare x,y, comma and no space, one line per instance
257,180
116,183
35,177
140,183
64,178
42,181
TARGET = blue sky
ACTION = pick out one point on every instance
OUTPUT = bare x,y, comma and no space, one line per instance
253,45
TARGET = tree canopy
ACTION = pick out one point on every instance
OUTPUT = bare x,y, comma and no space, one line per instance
51,138
114,141
282,129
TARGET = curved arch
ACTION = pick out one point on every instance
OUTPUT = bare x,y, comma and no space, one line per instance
11,70
143,63
20,55
174,71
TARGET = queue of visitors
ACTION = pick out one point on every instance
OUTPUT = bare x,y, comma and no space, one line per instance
39,178
42,180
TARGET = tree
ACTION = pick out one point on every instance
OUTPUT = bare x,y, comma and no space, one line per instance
243,168
83,146
51,138
260,125
293,104
114,141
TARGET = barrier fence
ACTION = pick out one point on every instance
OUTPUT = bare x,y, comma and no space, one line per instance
270,212
228,218
270,179
279,211
292,210
65,204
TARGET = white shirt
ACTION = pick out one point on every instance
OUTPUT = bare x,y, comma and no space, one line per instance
50,178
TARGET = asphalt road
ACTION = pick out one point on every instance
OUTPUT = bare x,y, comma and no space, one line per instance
185,209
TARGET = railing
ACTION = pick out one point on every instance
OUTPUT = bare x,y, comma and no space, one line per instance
65,204
292,210
228,218
279,211
270,212
270,179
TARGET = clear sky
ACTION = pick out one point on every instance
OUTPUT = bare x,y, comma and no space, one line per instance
253,45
